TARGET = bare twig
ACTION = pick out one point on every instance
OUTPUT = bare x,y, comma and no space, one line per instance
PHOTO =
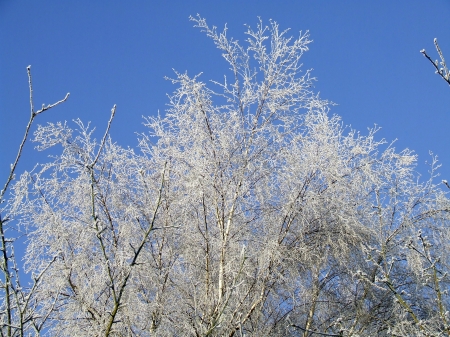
27,130
443,71
113,111
315,332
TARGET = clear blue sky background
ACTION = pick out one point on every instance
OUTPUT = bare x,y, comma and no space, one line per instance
365,55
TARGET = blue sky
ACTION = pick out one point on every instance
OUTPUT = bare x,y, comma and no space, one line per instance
365,55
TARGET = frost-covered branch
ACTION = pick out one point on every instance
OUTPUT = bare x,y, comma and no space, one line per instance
441,67
15,313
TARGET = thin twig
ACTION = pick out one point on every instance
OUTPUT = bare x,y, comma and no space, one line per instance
44,108
31,89
27,130
315,332
113,111
443,71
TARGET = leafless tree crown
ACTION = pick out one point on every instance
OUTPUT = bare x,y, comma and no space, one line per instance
247,210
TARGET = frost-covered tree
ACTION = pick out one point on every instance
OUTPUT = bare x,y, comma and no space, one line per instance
247,210
18,303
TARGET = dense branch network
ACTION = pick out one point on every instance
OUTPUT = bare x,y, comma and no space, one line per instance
247,210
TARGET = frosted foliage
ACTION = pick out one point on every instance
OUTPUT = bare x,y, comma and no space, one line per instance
248,210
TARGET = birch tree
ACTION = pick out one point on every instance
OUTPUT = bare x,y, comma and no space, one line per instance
247,210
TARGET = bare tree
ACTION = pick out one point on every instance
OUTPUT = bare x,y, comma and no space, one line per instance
249,210
17,307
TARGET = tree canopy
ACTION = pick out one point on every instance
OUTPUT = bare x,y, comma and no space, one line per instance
247,210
